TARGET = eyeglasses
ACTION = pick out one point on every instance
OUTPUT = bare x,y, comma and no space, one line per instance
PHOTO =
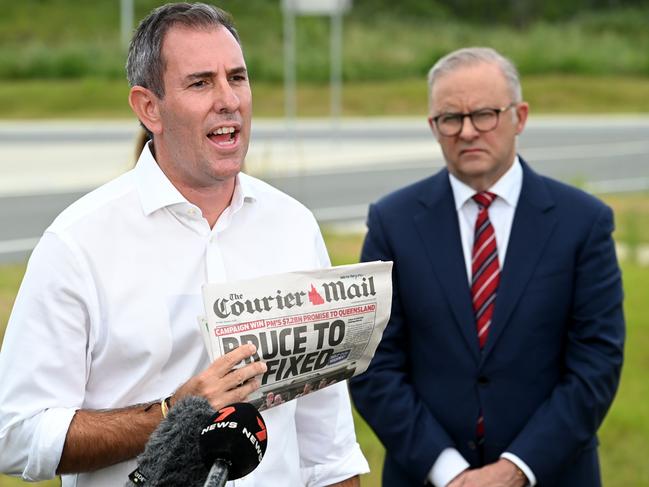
483,120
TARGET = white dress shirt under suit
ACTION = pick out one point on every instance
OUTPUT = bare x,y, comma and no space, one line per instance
450,463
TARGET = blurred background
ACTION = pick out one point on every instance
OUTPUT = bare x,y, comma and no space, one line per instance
65,128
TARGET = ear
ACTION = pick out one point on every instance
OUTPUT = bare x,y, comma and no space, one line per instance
522,111
146,106
431,124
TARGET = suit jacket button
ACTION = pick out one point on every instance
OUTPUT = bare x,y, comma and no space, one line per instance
471,444
483,381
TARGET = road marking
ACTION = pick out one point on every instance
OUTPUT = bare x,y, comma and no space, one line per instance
18,245
625,185
337,213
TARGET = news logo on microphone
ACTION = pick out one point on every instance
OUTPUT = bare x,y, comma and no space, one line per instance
236,434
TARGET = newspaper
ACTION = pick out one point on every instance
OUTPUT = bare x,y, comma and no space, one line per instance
311,328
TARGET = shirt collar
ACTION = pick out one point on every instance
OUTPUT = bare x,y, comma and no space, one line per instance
156,191
508,187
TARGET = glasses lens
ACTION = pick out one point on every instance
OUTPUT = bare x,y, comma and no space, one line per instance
484,120
449,124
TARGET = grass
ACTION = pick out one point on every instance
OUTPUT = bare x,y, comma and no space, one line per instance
624,432
381,43
631,215
595,62
107,98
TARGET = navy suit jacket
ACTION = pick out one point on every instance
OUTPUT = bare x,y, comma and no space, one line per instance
550,368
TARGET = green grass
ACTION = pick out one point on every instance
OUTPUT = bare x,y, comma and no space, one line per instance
623,435
379,44
107,98
593,62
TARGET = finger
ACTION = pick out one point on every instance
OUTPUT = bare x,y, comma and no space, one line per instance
237,377
227,362
242,392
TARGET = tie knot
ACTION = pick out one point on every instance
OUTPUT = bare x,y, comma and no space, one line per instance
484,199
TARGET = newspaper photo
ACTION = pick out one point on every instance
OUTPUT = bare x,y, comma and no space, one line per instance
311,328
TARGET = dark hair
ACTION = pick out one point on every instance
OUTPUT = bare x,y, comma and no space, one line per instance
145,64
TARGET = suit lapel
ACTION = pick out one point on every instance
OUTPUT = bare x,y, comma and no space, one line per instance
438,226
533,224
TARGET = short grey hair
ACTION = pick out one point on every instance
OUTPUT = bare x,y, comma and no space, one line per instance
145,65
470,56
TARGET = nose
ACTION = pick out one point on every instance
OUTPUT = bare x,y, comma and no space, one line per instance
468,131
226,99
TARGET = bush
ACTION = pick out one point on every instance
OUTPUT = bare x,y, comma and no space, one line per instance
382,40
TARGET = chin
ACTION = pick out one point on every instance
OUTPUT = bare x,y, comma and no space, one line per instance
474,166
226,171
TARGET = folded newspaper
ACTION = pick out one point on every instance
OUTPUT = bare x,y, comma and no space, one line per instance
312,328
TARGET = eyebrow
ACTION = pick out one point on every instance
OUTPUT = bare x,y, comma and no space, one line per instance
212,74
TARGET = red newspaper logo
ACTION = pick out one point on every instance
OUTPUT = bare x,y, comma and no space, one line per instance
315,297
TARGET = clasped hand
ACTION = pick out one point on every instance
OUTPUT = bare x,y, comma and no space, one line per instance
502,473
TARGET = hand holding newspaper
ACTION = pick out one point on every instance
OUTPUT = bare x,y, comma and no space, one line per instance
312,328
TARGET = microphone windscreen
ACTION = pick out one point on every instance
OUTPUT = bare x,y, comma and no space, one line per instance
171,456
236,434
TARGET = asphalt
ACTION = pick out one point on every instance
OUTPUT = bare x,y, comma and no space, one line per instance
56,156
334,169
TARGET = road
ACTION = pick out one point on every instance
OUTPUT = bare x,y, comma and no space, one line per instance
335,170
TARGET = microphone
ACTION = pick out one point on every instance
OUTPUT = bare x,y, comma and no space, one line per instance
232,443
170,455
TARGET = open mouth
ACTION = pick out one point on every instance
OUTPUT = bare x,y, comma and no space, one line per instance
224,136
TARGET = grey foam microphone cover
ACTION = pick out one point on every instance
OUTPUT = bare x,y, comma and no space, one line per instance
171,456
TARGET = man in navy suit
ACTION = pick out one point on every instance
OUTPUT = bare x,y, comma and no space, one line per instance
504,348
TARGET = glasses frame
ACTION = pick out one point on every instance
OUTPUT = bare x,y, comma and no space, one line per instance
497,111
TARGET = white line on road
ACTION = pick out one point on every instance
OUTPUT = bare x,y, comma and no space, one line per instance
627,185
351,212
18,245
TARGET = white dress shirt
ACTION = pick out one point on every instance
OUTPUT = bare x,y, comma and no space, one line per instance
450,462
106,318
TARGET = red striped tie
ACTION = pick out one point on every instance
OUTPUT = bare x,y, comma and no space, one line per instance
485,268
485,276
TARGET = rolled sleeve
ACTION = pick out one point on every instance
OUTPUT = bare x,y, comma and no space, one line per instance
43,363
47,443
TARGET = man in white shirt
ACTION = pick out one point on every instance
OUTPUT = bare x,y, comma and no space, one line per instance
504,347
104,325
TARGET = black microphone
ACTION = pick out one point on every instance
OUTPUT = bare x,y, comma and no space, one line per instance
170,457
232,443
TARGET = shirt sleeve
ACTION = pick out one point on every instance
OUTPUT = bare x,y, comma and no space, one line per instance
449,464
531,478
329,452
322,255
43,361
